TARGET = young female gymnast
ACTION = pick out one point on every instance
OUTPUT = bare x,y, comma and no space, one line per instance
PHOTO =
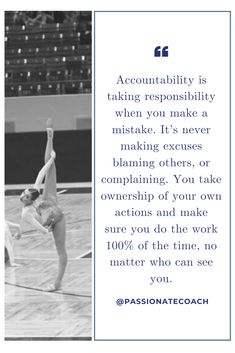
46,215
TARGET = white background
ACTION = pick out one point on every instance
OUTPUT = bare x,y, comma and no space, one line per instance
193,50
108,346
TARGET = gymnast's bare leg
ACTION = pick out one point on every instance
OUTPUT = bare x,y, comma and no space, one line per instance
59,229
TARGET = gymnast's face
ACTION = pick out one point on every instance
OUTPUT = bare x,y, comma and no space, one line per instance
26,197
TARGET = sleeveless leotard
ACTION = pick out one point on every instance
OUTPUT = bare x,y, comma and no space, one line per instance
50,212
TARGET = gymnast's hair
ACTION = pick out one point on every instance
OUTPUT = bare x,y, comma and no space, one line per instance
34,194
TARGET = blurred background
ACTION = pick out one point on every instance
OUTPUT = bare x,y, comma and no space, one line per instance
48,74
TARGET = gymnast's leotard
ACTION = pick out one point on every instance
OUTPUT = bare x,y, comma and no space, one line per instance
50,212
45,214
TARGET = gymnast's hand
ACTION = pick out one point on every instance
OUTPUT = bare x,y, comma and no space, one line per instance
18,233
53,154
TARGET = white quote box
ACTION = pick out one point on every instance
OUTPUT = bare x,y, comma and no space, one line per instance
162,176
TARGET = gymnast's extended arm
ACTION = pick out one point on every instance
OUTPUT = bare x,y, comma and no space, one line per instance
29,218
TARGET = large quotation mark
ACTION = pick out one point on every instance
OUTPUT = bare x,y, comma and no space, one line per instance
161,52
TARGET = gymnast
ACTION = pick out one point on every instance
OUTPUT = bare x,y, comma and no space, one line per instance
46,215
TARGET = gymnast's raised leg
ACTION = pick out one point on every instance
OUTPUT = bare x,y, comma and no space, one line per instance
59,228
